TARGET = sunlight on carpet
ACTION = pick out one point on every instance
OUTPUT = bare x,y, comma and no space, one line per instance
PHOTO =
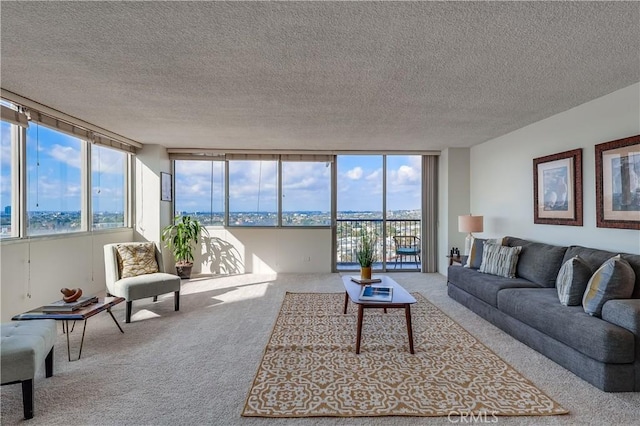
310,369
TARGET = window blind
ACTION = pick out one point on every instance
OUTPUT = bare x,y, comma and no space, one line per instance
14,116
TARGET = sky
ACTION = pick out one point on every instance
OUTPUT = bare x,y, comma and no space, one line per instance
54,180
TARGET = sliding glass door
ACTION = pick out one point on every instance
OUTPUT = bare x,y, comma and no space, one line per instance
379,195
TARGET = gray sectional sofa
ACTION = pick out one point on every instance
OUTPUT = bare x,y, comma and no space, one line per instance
603,351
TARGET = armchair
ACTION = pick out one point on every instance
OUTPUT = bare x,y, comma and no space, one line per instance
136,271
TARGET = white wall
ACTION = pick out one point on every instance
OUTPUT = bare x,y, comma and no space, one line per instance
151,214
263,250
502,172
34,270
453,201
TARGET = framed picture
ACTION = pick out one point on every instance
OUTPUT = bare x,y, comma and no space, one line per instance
165,187
557,189
618,184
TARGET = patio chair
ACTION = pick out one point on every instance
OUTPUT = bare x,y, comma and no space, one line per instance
407,246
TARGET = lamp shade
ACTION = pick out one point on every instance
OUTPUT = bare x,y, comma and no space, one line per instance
470,223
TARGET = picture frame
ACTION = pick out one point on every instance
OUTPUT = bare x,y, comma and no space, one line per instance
557,189
618,183
166,187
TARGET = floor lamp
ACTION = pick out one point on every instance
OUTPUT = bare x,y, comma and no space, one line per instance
469,224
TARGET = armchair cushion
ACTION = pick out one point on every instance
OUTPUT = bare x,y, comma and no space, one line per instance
146,285
136,259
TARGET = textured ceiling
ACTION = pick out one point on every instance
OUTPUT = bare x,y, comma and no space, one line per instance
317,75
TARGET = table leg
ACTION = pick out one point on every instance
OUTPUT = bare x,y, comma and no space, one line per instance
359,331
346,301
115,320
66,323
407,314
82,340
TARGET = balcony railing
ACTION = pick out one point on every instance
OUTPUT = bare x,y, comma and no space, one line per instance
348,232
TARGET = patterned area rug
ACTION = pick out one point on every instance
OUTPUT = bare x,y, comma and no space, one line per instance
310,368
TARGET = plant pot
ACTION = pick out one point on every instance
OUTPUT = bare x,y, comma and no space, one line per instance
365,272
184,271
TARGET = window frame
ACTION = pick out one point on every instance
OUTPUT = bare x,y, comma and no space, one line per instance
16,138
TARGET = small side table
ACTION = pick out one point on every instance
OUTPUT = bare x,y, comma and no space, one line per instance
82,314
454,259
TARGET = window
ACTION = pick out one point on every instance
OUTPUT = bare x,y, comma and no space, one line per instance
306,193
8,145
404,199
108,187
359,204
54,181
199,189
59,177
404,193
360,186
253,192
290,190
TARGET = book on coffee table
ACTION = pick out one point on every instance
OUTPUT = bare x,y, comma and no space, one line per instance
360,280
377,293
62,306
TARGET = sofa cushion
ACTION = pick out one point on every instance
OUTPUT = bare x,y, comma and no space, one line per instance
136,259
484,287
541,309
572,281
499,260
474,260
595,258
538,262
613,280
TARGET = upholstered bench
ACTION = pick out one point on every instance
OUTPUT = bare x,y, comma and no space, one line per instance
24,346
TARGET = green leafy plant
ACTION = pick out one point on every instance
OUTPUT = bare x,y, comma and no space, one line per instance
181,236
366,252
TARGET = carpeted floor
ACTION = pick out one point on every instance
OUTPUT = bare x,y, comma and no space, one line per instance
197,365
310,367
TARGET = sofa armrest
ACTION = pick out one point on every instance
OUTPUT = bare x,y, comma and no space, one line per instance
624,313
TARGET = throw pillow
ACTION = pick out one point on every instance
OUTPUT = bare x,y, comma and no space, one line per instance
614,279
500,260
136,259
572,281
477,248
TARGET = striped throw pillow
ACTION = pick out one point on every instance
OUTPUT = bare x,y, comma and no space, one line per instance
500,260
572,281
613,280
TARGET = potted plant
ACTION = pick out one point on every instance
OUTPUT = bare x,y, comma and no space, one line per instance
181,237
366,253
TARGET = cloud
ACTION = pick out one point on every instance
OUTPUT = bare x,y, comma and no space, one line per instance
66,155
355,173
107,161
405,175
375,175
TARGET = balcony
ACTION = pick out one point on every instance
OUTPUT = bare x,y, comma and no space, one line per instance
347,236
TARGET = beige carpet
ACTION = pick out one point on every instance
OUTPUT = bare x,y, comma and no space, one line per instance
310,369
